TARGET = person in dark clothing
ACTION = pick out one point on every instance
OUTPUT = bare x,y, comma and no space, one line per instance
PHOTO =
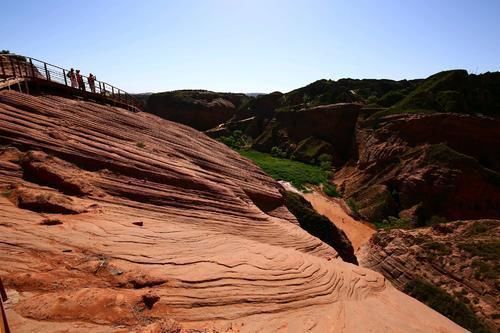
79,78
91,81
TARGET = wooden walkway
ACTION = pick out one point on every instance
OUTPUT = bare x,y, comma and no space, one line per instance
21,72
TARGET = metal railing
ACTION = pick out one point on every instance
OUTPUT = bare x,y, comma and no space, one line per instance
17,66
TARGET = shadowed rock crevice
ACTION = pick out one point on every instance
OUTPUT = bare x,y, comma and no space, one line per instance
319,226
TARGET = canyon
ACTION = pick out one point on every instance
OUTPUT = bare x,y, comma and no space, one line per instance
114,221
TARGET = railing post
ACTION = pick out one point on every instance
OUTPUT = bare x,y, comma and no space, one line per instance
46,71
113,91
65,79
32,68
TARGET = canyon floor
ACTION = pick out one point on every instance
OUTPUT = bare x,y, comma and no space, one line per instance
114,221
358,232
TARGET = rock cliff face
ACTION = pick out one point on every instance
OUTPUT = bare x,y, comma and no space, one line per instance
425,165
199,109
461,257
113,221
310,132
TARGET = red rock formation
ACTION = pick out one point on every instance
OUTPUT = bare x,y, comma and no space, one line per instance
216,247
458,257
331,126
429,164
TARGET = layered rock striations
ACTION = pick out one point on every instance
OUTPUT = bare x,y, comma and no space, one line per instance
114,221
424,165
461,258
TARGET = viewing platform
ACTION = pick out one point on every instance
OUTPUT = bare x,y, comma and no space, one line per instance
31,75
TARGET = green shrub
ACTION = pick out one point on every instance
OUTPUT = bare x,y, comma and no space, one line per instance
437,247
485,250
277,152
485,270
393,222
353,205
435,219
325,161
330,190
140,144
444,303
235,141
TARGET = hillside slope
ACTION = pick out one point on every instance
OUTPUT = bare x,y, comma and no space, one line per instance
460,258
113,221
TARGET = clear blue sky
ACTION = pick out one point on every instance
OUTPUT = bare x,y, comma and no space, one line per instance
254,46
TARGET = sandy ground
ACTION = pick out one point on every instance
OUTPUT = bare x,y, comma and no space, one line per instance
358,232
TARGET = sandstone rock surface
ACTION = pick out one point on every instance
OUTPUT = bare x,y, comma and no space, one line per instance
459,257
429,164
216,248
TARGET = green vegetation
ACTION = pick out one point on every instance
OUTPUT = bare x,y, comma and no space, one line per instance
312,148
140,145
277,152
325,162
480,228
448,91
237,140
485,270
330,190
297,173
444,303
367,91
319,226
353,205
437,248
435,219
7,193
393,223
484,250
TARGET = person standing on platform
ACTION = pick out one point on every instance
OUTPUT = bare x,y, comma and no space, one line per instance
91,81
72,78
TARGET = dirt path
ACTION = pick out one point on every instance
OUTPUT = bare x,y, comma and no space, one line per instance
358,232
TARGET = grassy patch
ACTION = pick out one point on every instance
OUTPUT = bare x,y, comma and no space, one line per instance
297,173
393,223
444,303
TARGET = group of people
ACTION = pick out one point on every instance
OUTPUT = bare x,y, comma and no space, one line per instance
77,80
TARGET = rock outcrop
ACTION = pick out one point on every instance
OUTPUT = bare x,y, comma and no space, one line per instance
424,165
461,258
199,109
172,228
310,132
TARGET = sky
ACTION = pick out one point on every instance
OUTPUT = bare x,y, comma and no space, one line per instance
253,46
